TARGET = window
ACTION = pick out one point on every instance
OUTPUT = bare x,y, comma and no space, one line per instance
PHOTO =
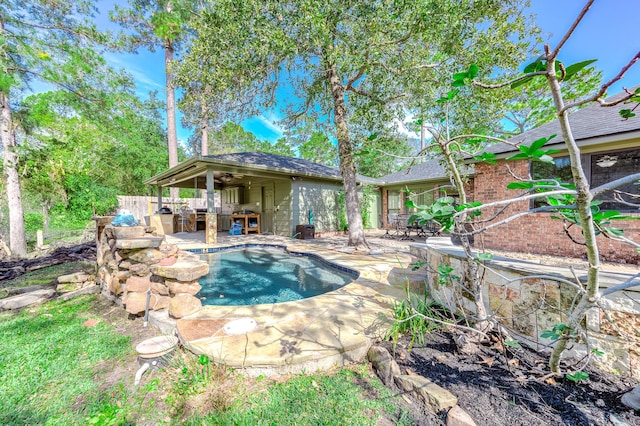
600,168
615,165
394,202
421,196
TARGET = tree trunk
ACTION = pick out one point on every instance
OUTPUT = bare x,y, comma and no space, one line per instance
17,238
46,206
472,274
347,168
583,208
172,136
204,148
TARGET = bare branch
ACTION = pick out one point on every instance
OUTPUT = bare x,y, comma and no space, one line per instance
396,71
565,228
603,89
566,37
514,200
507,83
360,73
614,184
375,98
630,283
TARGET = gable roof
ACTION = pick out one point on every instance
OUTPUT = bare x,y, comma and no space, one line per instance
276,162
429,170
254,163
589,125
287,165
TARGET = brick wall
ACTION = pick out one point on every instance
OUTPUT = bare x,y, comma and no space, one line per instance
538,233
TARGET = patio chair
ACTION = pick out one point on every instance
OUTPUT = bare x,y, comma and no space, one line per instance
404,227
392,224
431,229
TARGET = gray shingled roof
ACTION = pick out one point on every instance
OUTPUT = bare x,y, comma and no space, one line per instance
287,164
591,122
429,170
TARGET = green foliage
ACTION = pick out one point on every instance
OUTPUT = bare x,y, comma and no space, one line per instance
512,343
565,204
626,113
445,275
318,399
441,211
86,198
367,197
558,331
33,221
534,151
343,225
194,376
578,376
487,157
381,153
411,316
484,257
46,351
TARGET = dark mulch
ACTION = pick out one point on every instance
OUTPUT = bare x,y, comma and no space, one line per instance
499,385
14,268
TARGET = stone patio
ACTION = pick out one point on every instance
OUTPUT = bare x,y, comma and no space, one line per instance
332,329
329,330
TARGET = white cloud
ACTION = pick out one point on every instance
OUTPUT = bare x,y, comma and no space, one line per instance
270,121
404,130
145,81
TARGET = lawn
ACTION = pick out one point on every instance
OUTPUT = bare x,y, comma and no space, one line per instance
72,362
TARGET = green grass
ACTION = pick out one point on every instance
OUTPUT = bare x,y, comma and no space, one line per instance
48,360
53,371
347,397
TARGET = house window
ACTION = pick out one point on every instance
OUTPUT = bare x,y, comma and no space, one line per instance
394,202
600,168
615,165
421,196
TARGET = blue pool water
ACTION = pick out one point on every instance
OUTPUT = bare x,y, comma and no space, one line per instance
257,275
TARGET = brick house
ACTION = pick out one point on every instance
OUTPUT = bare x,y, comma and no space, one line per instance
426,181
610,148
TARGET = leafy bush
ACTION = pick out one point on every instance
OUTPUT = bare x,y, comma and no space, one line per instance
33,221
87,198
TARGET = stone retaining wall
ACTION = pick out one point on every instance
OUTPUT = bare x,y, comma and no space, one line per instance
133,260
528,306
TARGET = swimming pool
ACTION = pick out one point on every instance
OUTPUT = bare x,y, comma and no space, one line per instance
267,274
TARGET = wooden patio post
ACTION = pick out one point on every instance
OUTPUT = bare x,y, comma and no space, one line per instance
211,218
159,199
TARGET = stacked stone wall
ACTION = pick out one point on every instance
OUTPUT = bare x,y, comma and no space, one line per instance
134,262
528,305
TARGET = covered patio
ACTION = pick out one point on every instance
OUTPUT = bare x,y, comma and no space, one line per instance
270,194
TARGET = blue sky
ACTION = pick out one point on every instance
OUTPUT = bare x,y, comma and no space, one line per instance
608,33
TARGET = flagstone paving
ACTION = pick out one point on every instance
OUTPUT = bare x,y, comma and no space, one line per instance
320,332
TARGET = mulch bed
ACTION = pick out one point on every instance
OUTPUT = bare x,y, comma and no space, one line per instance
13,269
507,386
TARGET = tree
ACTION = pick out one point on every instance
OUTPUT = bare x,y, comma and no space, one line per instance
319,149
573,202
64,140
533,105
48,42
157,23
341,56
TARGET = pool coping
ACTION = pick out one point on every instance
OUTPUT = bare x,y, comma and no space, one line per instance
317,333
